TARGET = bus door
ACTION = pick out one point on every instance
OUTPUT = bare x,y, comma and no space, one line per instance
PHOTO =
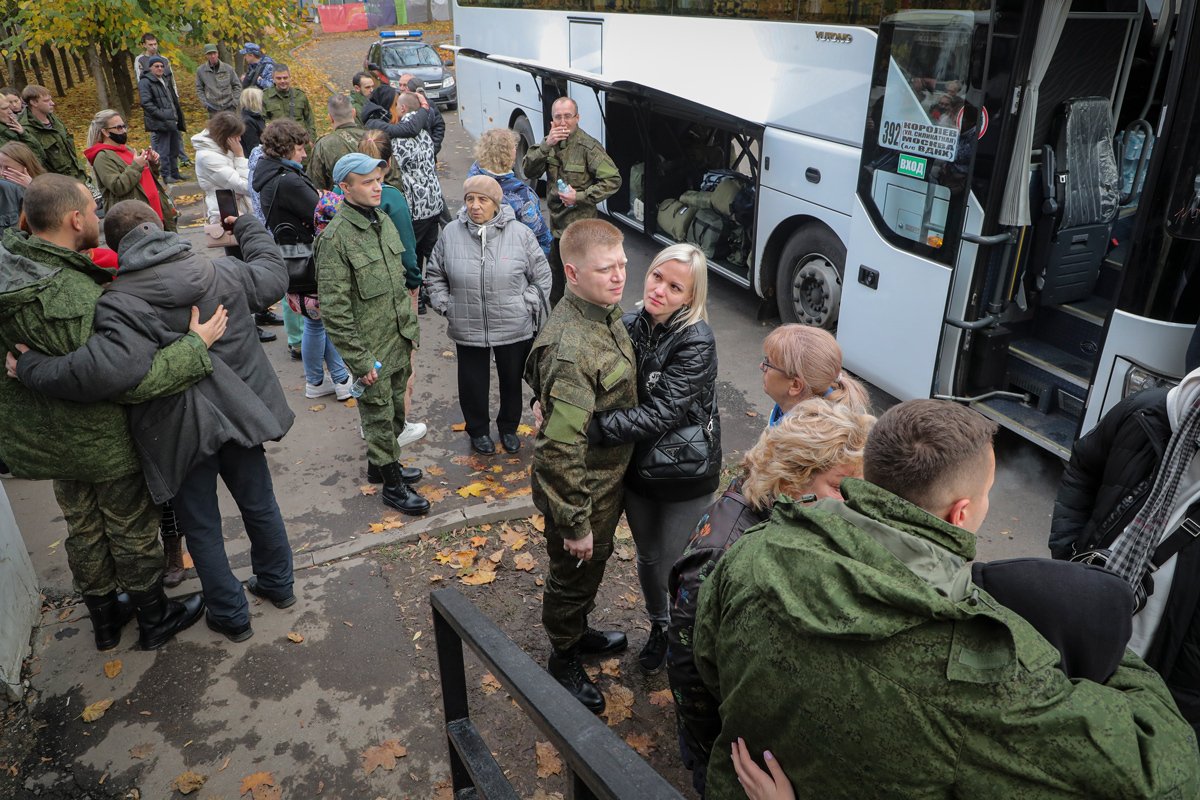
587,55
907,264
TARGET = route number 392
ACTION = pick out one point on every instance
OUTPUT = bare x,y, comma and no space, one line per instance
891,134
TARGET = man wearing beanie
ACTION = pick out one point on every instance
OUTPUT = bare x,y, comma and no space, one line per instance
368,313
164,116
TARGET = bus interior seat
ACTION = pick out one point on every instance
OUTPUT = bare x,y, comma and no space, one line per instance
1081,198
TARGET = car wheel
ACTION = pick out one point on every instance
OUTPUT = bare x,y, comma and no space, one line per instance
808,283
525,140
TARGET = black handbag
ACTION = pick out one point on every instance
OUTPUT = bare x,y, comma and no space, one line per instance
681,453
298,256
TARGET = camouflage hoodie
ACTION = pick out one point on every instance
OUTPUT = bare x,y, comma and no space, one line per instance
849,640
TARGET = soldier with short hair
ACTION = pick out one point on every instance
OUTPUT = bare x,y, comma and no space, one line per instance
284,101
55,145
582,362
344,139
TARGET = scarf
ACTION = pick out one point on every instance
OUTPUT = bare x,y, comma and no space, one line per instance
1133,551
146,182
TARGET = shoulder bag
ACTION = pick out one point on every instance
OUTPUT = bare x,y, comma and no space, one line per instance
683,452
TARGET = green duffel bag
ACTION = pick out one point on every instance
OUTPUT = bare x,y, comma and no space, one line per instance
710,232
697,199
637,180
739,246
724,194
674,218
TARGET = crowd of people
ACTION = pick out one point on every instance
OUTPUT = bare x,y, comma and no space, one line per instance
822,612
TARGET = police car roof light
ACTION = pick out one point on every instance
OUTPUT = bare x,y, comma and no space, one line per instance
400,34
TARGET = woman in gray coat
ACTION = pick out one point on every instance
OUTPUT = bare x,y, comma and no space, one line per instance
489,277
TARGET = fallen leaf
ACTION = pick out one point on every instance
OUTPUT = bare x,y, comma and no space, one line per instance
472,490
112,668
611,667
383,755
187,561
54,544
66,612
294,637
188,782
623,531
516,477
141,750
642,743
447,354
458,559
524,430
251,783
497,469
624,553
513,539
367,489
375,527
489,683
348,624
417,635
662,697
145,713
436,471
497,556
538,522
224,764
478,541
548,762
524,562
317,407
524,490
351,403
538,582
751,413
631,598
458,427
96,710
618,704
479,577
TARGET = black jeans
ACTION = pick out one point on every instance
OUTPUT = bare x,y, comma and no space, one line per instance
475,385
426,232
248,478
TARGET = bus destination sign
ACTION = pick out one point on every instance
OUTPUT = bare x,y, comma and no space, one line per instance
913,166
931,141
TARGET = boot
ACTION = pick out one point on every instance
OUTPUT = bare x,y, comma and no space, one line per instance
654,654
109,614
409,474
160,618
173,545
398,494
565,668
601,643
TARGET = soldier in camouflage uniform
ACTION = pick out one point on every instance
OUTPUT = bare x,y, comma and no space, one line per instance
57,147
11,130
284,101
329,148
48,295
851,641
580,161
582,362
367,308
364,84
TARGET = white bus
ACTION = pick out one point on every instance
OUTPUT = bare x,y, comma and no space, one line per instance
942,183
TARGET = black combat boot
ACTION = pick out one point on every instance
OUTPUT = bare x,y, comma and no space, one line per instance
654,654
398,494
409,474
601,643
109,614
172,539
565,668
160,618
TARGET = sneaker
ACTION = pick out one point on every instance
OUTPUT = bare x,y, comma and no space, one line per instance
313,391
411,433
342,390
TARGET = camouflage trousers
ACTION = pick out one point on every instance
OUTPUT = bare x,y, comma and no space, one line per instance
571,587
381,410
112,534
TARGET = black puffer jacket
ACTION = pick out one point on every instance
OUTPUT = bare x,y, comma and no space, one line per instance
677,386
1110,475
286,194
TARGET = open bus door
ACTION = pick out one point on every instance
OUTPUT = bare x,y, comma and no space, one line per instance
909,259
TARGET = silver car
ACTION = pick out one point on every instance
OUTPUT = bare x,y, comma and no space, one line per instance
396,56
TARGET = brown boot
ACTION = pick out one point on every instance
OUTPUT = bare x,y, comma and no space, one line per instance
174,573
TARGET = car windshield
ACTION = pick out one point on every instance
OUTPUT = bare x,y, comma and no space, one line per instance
420,56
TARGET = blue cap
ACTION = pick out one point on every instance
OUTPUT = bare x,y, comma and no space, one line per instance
250,47
358,163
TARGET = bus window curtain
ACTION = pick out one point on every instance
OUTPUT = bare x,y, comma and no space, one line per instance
1015,209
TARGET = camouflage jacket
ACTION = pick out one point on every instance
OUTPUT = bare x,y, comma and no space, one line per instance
365,306
583,164
292,105
328,149
357,100
849,639
48,300
582,362
57,145
26,137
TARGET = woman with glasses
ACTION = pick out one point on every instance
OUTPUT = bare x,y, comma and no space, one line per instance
800,362
123,173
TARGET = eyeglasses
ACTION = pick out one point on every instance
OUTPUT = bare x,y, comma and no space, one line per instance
563,117
765,365
118,128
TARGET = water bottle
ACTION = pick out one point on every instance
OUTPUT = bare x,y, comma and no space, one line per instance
358,387
562,187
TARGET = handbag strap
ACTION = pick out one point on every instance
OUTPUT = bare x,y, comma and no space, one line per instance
1184,534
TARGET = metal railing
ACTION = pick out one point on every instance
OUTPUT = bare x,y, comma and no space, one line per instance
599,765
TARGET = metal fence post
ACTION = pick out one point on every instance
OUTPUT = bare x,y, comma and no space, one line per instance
452,673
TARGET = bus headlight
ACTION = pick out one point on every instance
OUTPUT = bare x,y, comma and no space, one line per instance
1138,378
448,82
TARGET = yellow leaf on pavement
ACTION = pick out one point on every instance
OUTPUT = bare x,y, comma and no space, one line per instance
251,783
96,710
479,577
436,471
489,683
641,742
112,668
662,697
383,755
376,527
367,489
548,762
473,490
524,430
538,522
611,667
525,562
478,541
317,407
618,704
188,782
295,637
458,427
497,556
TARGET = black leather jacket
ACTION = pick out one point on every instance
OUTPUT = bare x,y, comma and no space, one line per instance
677,386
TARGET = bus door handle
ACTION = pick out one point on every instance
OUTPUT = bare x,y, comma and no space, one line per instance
996,238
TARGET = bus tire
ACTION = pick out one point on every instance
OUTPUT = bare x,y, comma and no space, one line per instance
525,140
808,283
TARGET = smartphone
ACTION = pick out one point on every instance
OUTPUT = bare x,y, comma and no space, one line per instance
227,207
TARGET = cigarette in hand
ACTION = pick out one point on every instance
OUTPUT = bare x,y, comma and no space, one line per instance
579,564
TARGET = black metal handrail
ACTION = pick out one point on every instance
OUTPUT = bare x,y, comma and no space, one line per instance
599,765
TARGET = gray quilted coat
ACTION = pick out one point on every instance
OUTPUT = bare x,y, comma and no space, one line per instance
491,281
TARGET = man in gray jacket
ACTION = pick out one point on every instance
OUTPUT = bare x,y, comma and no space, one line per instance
216,427
217,83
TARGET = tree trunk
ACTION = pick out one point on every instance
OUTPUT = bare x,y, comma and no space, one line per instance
48,58
65,60
93,57
80,69
122,81
37,68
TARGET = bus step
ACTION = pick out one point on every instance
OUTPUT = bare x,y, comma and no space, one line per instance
1075,329
1059,367
1055,432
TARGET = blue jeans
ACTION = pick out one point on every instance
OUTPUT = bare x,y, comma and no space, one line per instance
169,146
318,351
245,473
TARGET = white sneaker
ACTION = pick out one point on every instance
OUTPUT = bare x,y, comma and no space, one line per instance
342,389
320,390
411,433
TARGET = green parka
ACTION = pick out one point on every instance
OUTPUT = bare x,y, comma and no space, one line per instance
58,147
47,301
850,641
292,104
120,181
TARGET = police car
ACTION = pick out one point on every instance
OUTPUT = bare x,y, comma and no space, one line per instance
402,52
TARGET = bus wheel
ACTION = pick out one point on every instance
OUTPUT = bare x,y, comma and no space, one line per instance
808,284
524,132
